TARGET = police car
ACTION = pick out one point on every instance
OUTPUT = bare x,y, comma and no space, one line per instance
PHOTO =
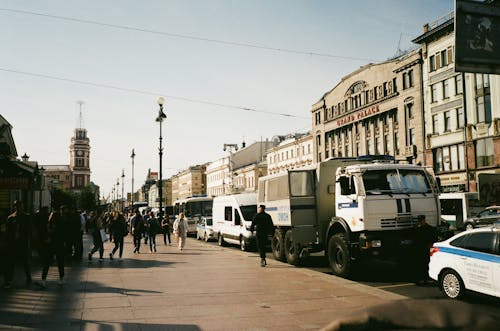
468,261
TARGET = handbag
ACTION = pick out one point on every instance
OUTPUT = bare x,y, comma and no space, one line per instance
104,237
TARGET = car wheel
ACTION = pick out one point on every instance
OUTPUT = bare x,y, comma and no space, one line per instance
205,237
339,255
220,240
451,284
469,226
197,236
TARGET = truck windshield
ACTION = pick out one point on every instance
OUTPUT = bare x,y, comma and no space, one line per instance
395,181
248,212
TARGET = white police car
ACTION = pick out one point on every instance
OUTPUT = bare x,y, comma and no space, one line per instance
468,261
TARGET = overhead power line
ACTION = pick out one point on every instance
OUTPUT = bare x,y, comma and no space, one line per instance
191,37
138,91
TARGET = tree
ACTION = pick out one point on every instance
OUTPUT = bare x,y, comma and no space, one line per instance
87,198
62,197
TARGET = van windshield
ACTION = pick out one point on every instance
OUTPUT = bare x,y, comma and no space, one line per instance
248,212
395,181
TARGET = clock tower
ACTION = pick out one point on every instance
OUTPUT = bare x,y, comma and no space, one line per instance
79,151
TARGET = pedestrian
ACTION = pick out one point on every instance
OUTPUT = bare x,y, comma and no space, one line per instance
137,223
262,224
96,228
145,216
75,247
165,227
40,227
4,252
180,230
18,243
151,231
53,234
425,236
118,229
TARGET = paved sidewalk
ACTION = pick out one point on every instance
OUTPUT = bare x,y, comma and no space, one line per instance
205,287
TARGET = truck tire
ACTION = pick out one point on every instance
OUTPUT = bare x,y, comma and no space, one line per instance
278,246
339,255
292,250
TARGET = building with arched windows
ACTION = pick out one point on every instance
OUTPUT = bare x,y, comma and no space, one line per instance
377,109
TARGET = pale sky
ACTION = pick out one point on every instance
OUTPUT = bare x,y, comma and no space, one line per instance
44,112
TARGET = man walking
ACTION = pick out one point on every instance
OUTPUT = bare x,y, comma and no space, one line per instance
18,243
137,230
425,236
263,225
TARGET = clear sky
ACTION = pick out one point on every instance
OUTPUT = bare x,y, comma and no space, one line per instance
44,112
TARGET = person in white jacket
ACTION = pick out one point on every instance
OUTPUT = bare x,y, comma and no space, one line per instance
180,230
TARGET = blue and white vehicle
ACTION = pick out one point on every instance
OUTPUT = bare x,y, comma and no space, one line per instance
468,261
205,229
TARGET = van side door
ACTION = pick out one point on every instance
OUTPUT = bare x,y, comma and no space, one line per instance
302,186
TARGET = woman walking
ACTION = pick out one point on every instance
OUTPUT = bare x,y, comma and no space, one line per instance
95,228
152,230
118,230
180,230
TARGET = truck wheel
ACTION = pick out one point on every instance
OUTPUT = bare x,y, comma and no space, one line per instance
220,240
339,255
278,246
292,250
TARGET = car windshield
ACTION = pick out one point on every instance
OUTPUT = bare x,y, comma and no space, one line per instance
395,181
248,212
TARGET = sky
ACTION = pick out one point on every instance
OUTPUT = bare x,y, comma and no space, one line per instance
153,57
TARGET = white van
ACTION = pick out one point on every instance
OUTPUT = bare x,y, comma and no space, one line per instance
232,218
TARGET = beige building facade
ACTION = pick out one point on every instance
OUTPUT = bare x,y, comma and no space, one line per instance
295,151
375,110
189,183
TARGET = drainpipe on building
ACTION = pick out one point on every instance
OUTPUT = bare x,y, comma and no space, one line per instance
422,102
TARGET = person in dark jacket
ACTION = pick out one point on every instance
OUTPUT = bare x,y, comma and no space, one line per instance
425,236
117,229
262,224
18,243
95,227
138,228
54,234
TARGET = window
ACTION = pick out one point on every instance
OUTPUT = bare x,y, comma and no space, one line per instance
434,93
387,146
482,81
409,109
317,116
301,183
410,78
449,158
446,89
460,117
378,146
483,108
447,121
444,58
458,84
432,63
228,214
485,155
411,135
405,81
446,159
396,143
480,242
435,128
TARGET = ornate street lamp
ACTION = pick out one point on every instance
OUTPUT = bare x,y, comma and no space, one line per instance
132,156
159,119
123,187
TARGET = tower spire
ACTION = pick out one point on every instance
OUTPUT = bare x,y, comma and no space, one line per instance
80,116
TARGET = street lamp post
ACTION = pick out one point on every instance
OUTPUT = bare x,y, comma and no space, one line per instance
123,187
132,156
117,192
159,119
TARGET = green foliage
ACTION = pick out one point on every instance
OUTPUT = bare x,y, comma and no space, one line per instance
62,197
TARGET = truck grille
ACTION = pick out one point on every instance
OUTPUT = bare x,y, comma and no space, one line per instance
398,222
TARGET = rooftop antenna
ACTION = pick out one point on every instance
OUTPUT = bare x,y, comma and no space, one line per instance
80,117
399,51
